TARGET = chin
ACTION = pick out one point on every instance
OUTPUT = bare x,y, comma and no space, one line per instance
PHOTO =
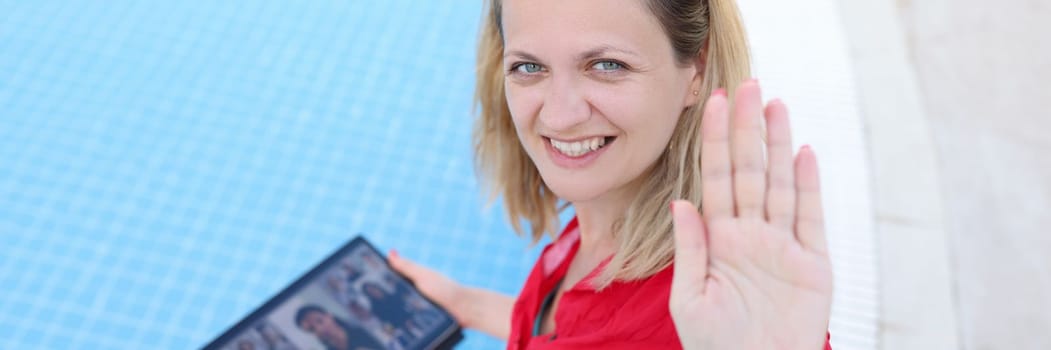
579,188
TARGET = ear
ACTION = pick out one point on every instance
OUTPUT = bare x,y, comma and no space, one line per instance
699,64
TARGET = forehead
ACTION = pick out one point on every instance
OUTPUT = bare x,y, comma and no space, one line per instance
528,23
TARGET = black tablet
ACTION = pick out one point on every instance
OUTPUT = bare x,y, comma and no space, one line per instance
352,300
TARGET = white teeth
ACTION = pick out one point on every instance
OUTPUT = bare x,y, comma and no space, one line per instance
579,148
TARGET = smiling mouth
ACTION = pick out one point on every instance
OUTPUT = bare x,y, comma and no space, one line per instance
580,147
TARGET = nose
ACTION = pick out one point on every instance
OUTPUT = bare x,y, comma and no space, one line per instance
565,104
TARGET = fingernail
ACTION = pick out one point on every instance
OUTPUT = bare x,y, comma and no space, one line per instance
719,92
807,148
671,206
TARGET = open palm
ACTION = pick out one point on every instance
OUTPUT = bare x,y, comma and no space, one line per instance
753,271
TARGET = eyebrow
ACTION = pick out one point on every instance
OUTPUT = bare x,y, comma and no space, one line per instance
602,51
593,53
521,54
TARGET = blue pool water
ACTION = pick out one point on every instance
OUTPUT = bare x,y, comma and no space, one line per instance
166,167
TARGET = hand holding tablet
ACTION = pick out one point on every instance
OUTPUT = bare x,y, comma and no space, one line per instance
352,300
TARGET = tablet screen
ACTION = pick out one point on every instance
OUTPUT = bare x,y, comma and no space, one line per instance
352,300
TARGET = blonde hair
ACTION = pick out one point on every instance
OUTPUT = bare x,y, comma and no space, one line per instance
644,235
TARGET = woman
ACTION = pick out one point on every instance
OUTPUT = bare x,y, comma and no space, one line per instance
619,108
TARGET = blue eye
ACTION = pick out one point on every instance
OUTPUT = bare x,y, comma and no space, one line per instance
607,66
528,68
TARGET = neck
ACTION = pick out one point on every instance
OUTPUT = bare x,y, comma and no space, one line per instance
596,218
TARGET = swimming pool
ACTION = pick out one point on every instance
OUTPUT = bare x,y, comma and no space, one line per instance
169,166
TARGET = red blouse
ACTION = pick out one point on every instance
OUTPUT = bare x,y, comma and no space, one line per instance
624,315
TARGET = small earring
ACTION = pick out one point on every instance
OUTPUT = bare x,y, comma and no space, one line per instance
695,92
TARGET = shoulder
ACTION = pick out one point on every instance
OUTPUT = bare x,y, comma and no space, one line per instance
646,297
559,252
625,311
641,311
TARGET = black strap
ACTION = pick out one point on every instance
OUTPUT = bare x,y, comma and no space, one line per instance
545,308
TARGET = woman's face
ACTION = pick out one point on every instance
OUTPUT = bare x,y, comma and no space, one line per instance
594,90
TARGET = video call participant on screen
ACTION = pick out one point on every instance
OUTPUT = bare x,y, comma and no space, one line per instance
352,273
389,307
336,334
274,339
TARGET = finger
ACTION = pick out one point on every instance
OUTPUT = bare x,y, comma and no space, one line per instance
749,170
716,181
406,267
810,218
691,248
433,285
781,186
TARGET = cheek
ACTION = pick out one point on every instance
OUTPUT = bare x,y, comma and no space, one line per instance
642,117
524,104
647,121
661,127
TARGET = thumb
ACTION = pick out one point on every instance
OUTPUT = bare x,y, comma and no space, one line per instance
407,267
691,245
431,283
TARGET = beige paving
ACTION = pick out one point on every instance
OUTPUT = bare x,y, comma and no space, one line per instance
985,69
980,74
916,289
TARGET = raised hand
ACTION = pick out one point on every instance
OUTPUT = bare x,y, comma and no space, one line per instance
754,271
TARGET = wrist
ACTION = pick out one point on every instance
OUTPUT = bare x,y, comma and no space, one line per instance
461,308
